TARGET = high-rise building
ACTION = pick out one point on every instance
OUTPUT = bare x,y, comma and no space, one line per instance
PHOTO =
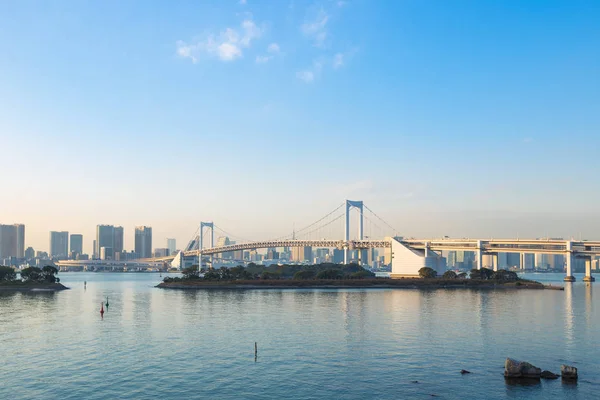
12,241
20,240
143,241
76,243
94,253
29,253
118,240
105,237
59,244
301,254
171,245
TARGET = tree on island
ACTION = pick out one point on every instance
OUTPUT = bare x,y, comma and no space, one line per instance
482,274
7,274
427,272
330,274
505,276
35,274
306,274
449,275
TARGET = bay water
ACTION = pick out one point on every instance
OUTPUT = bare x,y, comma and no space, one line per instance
312,343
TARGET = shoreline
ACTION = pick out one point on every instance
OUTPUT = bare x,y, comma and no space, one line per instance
416,283
37,287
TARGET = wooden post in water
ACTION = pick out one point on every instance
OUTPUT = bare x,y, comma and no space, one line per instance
255,351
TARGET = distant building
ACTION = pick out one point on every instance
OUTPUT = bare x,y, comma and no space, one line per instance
94,253
59,244
143,241
338,256
301,254
161,252
171,245
118,239
12,241
41,254
105,237
76,245
29,253
106,253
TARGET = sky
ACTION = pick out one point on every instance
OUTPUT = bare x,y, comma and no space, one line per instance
460,118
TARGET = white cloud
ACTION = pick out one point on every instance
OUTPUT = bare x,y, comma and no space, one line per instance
272,49
306,75
263,59
229,52
338,61
310,74
227,46
243,2
315,28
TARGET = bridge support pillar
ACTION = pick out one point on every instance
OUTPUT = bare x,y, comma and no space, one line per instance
349,205
479,255
495,261
569,257
588,271
522,261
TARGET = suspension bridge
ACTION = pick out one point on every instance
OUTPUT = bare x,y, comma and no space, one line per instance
407,256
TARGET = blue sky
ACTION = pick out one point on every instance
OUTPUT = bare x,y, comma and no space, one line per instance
462,118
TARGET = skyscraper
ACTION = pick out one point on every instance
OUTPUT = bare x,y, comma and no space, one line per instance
118,240
76,243
20,228
105,237
171,245
300,254
12,241
143,241
59,244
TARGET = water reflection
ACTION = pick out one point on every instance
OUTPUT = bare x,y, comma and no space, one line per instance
569,317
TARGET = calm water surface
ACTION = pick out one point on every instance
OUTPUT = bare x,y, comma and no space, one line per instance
330,344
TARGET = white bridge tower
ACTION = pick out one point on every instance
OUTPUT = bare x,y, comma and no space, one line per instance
350,204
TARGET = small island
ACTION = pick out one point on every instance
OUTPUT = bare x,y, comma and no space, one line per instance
32,279
337,276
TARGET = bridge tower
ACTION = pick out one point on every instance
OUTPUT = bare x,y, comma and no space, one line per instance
350,204
211,226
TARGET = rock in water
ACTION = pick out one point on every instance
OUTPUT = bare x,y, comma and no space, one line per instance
520,369
548,375
464,371
568,372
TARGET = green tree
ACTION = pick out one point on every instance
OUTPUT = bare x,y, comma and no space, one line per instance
330,274
191,273
32,274
306,274
449,275
505,276
482,274
362,274
7,274
48,274
427,272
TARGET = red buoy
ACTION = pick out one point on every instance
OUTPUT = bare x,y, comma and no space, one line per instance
102,310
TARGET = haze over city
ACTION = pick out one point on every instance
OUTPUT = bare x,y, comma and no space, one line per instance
262,116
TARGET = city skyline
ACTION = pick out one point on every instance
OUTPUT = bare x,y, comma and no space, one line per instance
261,116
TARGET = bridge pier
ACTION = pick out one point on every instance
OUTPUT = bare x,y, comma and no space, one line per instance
495,261
569,257
588,271
479,255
